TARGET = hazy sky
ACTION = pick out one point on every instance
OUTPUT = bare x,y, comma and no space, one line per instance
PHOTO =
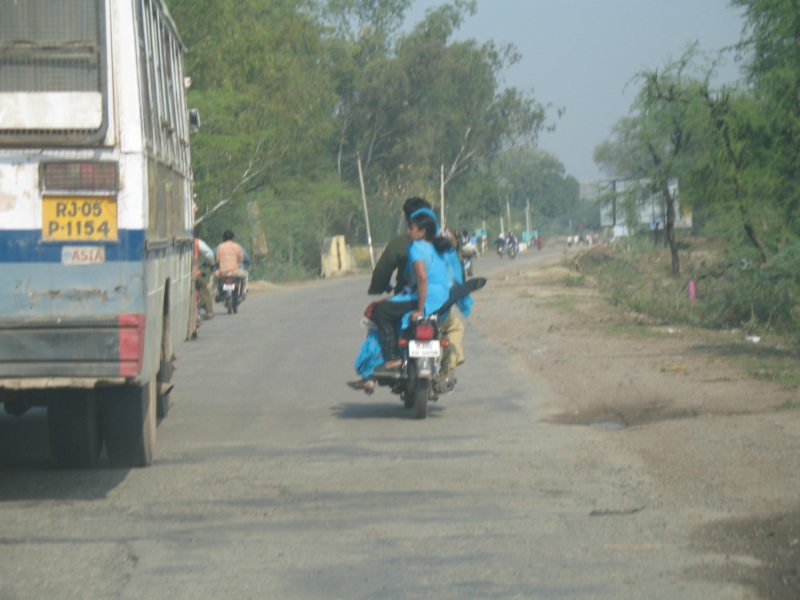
579,54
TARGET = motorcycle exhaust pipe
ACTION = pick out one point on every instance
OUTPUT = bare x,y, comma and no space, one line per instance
445,386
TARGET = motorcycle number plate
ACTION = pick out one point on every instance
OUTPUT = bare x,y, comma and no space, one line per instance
417,349
228,287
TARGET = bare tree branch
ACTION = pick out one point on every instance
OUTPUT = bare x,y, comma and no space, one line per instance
249,173
454,169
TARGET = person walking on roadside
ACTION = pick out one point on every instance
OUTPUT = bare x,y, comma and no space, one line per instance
204,257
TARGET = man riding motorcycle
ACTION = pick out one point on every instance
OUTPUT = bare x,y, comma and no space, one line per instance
230,257
393,260
512,240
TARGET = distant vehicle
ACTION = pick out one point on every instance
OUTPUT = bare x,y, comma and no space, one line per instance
512,249
231,292
468,256
95,221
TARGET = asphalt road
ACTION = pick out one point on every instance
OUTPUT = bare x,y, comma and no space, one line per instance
272,479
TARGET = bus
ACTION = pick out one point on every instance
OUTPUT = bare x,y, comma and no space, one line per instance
96,219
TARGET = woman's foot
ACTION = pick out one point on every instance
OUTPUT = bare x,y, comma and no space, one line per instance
362,384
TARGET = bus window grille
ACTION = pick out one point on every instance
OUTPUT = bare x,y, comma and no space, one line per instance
50,46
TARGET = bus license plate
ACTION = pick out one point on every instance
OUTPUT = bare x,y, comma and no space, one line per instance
418,349
79,219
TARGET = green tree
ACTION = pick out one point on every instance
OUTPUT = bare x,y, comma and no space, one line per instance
771,46
661,139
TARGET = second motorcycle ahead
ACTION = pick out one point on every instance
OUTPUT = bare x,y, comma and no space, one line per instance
230,292
505,246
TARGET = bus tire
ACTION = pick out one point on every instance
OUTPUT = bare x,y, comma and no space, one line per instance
73,426
165,371
129,424
163,387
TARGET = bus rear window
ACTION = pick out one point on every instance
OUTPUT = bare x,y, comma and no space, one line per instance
50,46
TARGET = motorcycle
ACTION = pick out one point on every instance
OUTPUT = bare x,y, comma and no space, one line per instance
420,379
468,255
230,292
501,247
513,250
200,313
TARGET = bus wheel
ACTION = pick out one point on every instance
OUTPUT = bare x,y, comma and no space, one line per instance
73,424
129,424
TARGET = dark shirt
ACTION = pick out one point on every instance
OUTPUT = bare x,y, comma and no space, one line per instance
394,258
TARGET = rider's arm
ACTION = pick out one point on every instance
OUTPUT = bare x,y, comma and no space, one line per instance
422,284
392,258
206,253
246,257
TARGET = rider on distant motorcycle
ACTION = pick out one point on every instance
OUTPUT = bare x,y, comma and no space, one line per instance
230,256
512,241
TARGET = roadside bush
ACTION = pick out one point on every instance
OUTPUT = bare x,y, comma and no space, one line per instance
574,280
728,293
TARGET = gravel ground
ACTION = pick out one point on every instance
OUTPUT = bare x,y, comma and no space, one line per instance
716,450
272,479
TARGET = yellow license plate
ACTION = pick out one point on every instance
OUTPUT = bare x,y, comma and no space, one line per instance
79,219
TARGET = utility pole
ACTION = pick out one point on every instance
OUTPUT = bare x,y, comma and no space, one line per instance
366,212
508,208
528,215
502,228
441,194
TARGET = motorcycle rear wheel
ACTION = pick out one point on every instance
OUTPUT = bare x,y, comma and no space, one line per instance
229,304
421,398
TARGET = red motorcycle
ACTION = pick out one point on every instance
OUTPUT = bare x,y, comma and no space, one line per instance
230,292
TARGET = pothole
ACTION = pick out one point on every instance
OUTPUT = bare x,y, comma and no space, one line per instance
757,551
613,417
607,425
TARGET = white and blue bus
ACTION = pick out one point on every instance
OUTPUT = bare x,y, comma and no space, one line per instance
95,220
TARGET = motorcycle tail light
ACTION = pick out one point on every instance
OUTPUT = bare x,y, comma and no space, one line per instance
425,331
402,342
229,280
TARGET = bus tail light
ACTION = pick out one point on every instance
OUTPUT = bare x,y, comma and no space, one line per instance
80,176
131,344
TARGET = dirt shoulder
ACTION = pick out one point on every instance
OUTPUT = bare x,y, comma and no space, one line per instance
707,414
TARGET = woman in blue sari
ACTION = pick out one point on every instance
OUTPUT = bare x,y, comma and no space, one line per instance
430,278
